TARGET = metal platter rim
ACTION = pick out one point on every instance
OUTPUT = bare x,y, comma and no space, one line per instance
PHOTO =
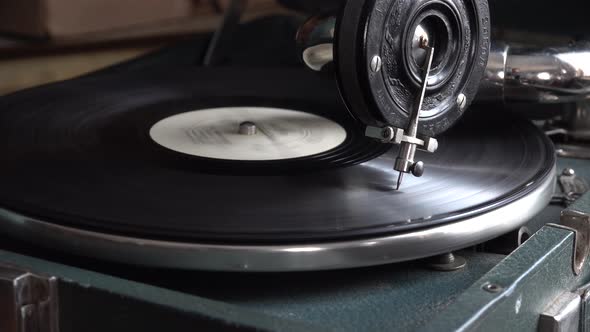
283,258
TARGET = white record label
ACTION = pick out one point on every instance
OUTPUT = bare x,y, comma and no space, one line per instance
248,133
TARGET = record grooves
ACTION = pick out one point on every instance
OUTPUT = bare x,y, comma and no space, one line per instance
78,154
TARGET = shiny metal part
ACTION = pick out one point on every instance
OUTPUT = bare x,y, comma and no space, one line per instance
571,187
28,302
315,39
568,172
248,128
420,41
405,161
576,218
447,262
397,136
492,87
376,63
276,258
492,288
462,101
533,75
317,56
578,221
563,315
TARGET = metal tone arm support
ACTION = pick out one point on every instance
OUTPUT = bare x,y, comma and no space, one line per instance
513,73
534,75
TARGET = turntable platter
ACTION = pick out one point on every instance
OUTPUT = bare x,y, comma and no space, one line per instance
81,171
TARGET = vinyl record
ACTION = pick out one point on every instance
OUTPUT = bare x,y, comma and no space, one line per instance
81,170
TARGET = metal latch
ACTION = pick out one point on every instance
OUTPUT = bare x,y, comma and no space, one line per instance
576,218
571,188
563,315
579,223
28,302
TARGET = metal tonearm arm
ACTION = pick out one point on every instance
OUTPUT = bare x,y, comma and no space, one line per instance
409,140
525,74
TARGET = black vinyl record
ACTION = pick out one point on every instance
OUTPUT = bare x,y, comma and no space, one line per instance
79,154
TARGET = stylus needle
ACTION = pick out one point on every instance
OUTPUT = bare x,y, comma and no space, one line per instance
405,162
399,180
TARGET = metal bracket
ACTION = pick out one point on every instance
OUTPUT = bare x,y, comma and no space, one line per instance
571,187
29,302
396,136
562,315
577,219
408,143
579,223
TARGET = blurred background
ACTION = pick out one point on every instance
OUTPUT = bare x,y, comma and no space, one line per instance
43,41
47,40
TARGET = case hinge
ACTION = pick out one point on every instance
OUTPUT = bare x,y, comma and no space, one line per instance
29,302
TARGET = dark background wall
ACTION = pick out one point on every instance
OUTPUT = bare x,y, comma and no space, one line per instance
545,16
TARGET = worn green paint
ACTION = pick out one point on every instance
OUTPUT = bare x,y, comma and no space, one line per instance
532,277
167,299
